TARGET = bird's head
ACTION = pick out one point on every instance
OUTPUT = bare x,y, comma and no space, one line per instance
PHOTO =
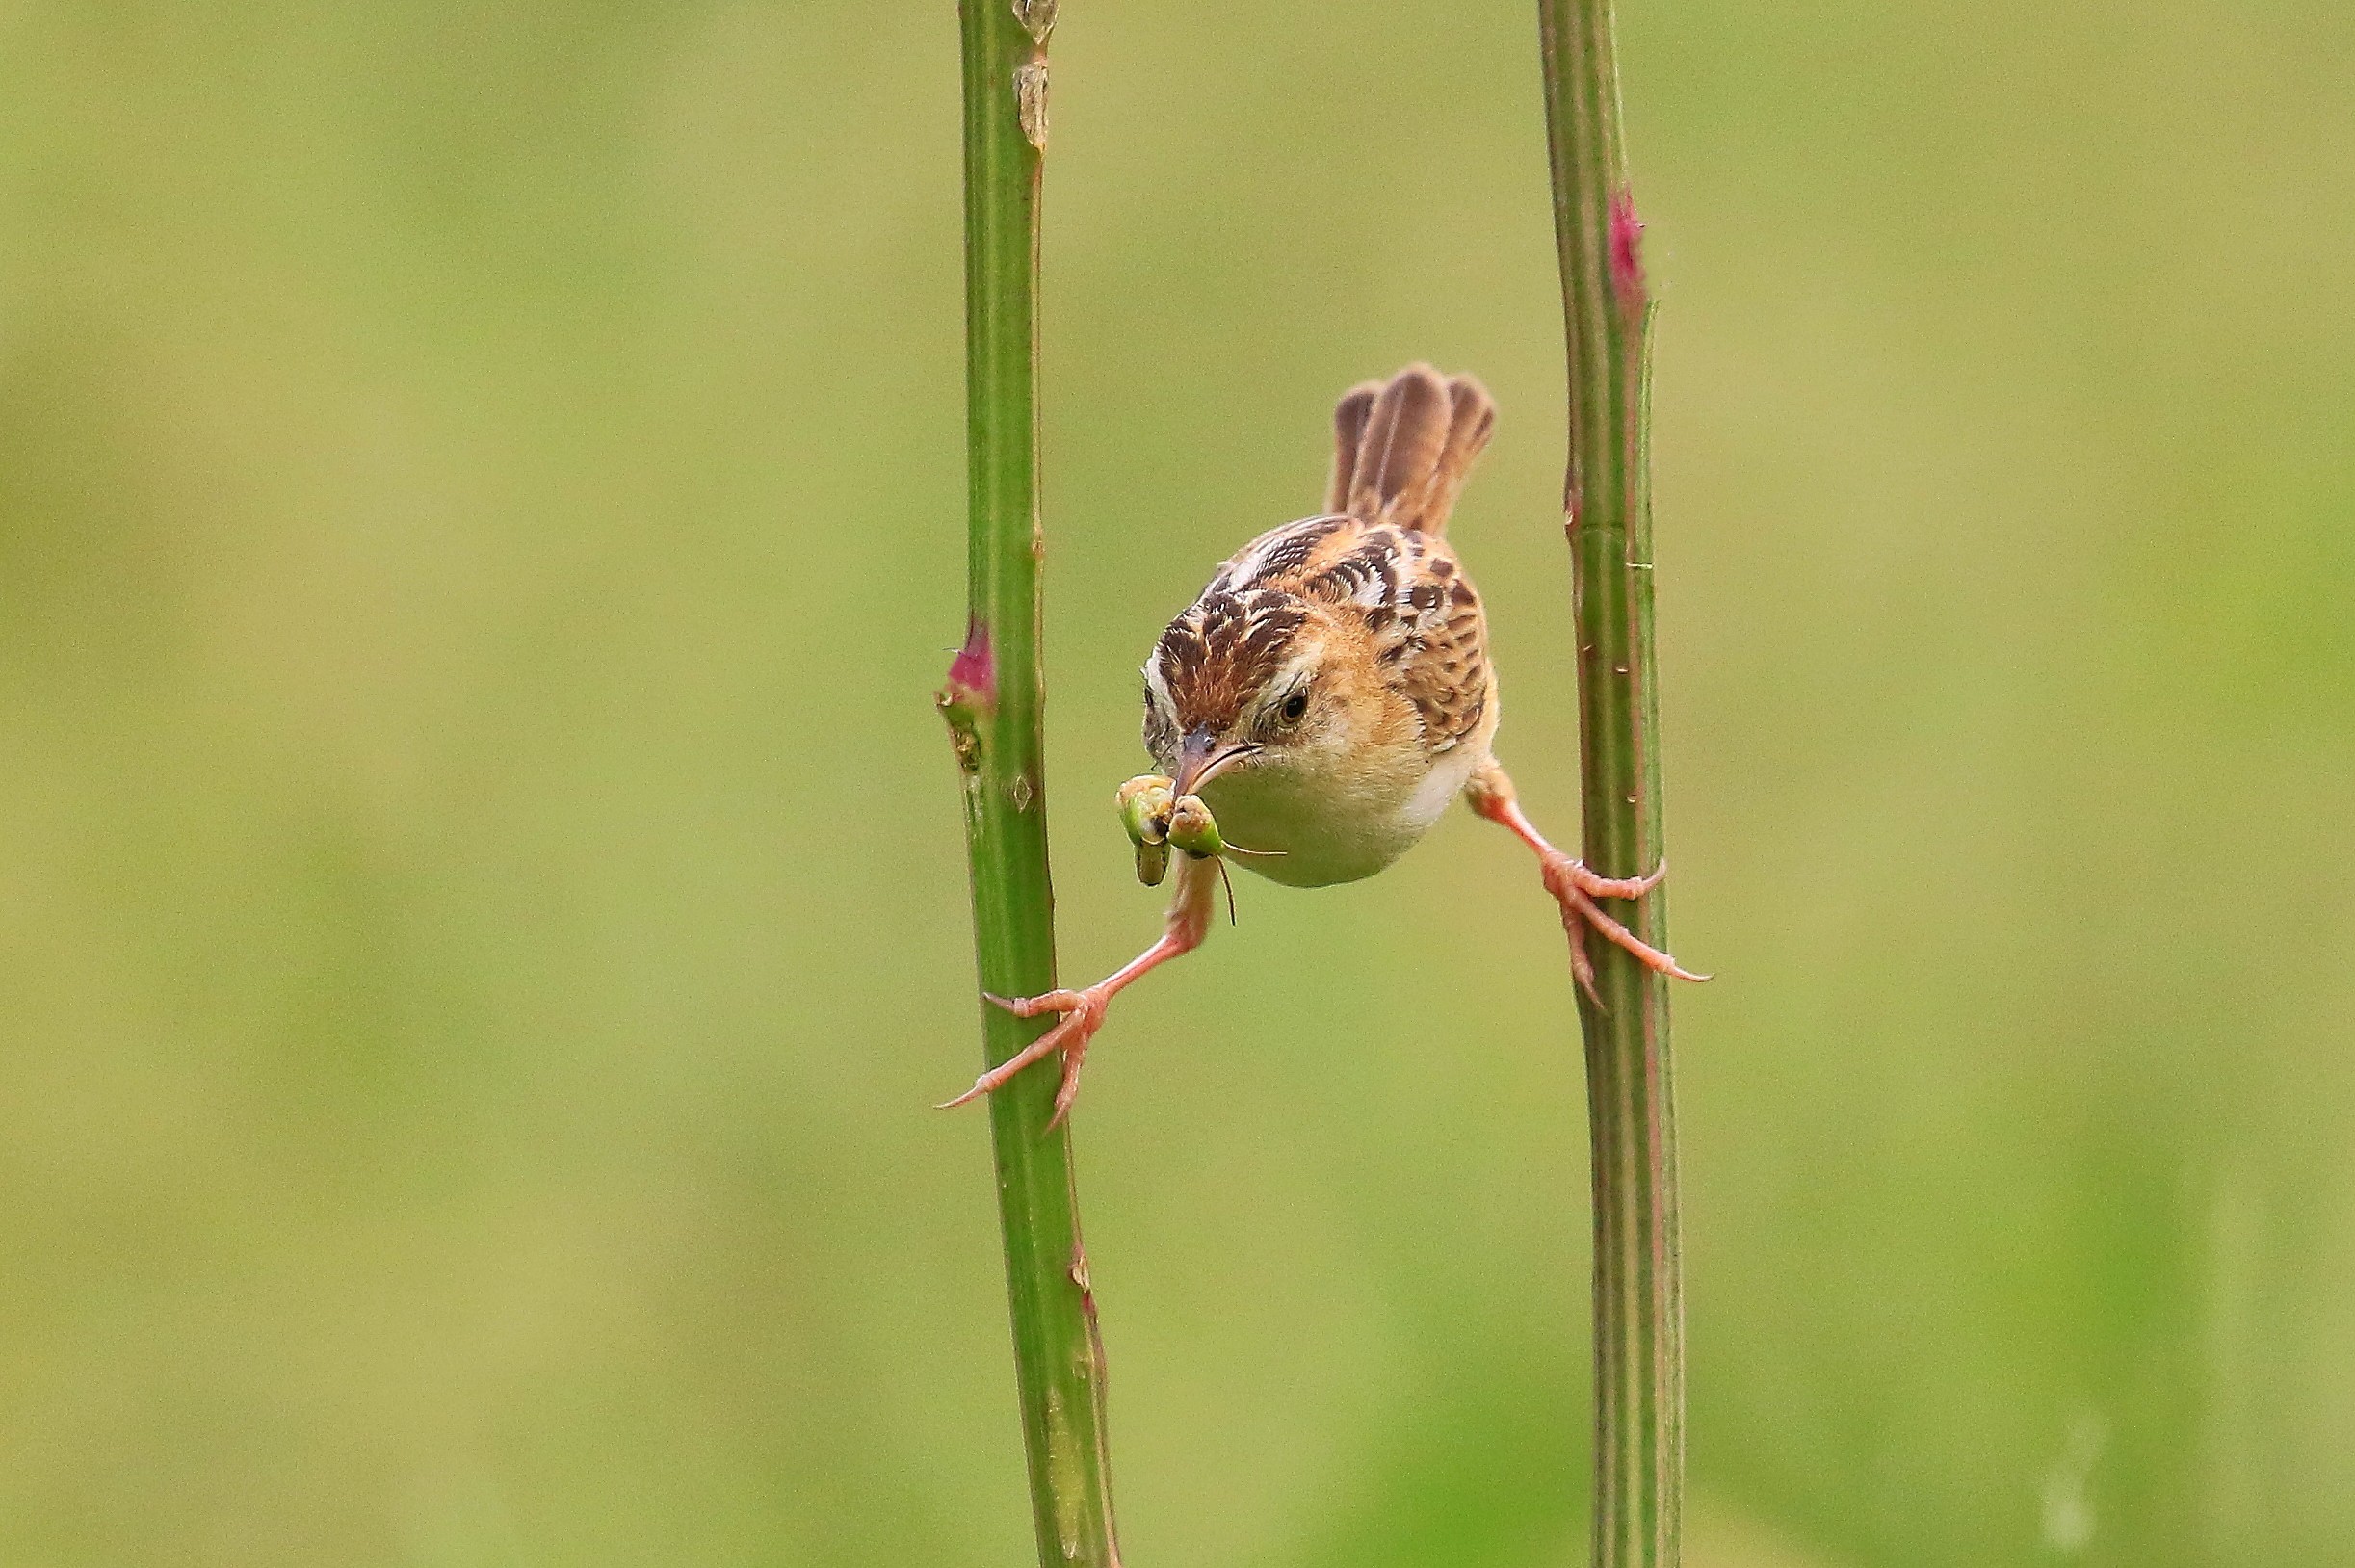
1258,679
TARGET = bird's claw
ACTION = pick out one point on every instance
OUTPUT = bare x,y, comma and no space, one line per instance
1082,1014
1031,1007
1576,887
1568,870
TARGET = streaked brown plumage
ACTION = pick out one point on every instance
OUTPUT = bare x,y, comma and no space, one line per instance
1330,692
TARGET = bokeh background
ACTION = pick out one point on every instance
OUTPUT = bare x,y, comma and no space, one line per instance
481,909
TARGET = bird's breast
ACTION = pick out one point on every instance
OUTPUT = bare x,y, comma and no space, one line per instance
1313,827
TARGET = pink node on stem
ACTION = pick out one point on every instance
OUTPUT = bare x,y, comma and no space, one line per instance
973,674
1626,243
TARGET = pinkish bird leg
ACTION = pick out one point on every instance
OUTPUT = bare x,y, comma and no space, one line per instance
1574,886
1082,1011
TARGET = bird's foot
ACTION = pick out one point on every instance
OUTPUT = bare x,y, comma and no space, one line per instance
1082,1012
1576,888
1082,1015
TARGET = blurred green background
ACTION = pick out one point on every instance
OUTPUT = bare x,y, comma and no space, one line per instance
481,885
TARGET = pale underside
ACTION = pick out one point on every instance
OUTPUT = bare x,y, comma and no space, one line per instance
1313,830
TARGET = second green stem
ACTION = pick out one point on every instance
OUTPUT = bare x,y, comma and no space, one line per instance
1638,1304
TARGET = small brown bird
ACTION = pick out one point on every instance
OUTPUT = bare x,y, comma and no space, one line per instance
1330,693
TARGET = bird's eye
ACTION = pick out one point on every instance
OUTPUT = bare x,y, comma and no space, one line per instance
1295,706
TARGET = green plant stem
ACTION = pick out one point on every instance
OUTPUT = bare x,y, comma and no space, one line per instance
1638,1304
993,701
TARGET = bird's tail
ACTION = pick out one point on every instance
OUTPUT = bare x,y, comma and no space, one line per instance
1401,448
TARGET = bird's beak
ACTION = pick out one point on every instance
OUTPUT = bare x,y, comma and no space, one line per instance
1199,760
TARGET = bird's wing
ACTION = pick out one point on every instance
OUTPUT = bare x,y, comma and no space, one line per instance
1420,613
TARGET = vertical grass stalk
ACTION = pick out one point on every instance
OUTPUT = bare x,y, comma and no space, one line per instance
993,701
1638,1304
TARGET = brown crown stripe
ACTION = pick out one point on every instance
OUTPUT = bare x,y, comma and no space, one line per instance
1219,654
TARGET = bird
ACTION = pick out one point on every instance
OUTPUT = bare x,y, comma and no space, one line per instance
1329,693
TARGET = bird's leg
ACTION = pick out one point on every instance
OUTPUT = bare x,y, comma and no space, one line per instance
1574,886
1082,1011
